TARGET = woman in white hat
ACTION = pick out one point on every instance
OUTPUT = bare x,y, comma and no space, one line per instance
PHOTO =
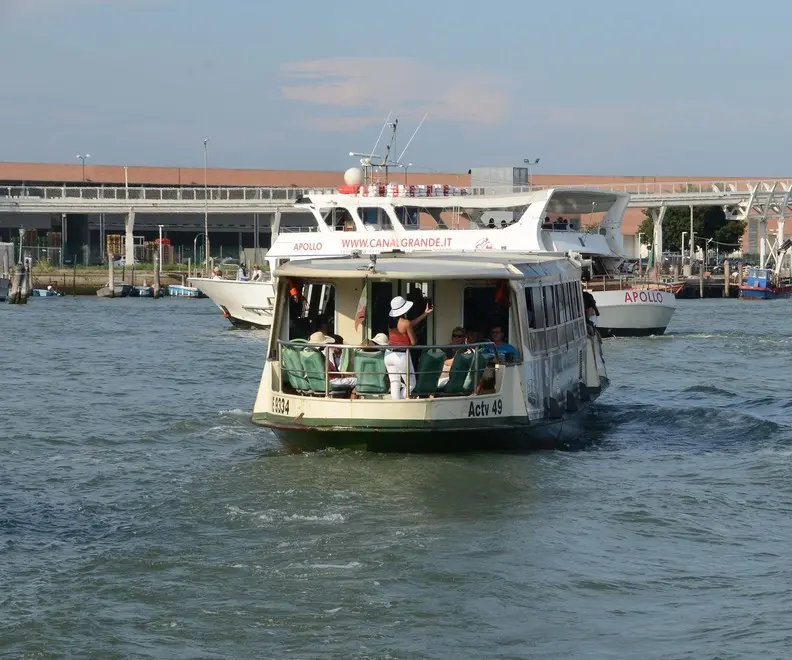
401,333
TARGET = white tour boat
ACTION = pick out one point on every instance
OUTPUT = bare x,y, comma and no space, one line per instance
504,359
377,218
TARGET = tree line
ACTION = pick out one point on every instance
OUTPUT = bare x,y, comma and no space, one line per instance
708,222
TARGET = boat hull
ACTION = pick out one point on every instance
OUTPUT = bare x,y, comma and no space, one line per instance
515,434
118,291
771,293
634,312
244,304
179,291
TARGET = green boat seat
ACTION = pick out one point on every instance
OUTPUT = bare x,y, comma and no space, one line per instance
430,366
292,369
314,364
464,375
370,371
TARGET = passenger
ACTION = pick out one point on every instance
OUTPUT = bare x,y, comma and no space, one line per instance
491,224
590,307
257,275
504,224
401,333
458,336
242,273
336,379
505,350
217,273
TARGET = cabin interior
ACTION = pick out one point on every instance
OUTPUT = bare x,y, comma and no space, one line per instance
553,317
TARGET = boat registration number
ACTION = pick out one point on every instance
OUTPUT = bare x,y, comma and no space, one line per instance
280,406
485,408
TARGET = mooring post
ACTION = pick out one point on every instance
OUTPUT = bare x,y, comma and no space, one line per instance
701,280
157,288
74,278
111,276
18,294
726,278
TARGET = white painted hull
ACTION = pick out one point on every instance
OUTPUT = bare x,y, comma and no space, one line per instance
242,303
5,285
634,312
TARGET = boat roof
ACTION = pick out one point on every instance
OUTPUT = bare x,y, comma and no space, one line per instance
431,266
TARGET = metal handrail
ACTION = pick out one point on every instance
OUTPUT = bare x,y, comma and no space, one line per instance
98,192
327,373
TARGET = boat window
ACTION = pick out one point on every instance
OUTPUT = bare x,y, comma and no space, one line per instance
407,216
549,307
311,308
486,307
375,218
529,304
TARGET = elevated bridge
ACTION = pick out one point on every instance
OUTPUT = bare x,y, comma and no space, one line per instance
755,201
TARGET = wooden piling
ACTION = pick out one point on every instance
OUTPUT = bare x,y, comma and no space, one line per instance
157,288
726,276
18,294
701,280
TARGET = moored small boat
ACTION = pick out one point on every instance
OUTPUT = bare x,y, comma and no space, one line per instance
115,291
765,284
182,291
45,293
141,292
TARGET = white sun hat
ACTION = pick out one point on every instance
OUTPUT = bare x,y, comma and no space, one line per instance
381,339
399,306
320,337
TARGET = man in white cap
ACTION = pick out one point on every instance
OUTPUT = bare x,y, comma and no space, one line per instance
335,380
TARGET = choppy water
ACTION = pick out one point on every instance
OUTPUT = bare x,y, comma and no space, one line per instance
143,516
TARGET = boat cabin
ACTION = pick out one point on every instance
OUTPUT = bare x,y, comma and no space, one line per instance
500,341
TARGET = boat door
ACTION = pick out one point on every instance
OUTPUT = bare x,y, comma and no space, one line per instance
380,295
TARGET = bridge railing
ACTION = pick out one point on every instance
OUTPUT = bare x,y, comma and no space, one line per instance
264,194
154,194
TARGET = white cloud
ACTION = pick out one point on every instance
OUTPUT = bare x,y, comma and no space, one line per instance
407,87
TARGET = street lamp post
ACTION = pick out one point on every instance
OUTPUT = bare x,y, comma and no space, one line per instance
530,163
159,245
82,158
682,247
195,249
640,258
206,207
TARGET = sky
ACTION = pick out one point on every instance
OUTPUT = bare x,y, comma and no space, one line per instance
615,87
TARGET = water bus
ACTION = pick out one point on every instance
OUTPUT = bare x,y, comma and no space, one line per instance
523,374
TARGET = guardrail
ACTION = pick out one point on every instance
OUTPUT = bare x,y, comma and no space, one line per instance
309,377
242,194
152,194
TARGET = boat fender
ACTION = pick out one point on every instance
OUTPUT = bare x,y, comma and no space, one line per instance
571,402
552,408
225,312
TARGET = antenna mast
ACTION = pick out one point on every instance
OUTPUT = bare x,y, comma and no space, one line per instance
371,161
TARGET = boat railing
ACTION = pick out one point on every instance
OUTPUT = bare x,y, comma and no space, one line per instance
473,375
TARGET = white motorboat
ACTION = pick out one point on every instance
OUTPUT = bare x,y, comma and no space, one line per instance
243,303
528,385
369,219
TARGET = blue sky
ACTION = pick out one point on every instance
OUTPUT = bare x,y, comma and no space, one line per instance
691,87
